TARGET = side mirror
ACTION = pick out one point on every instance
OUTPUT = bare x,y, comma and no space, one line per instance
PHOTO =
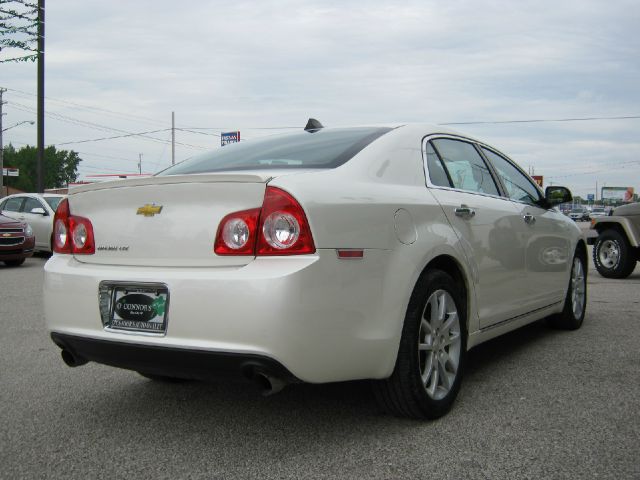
39,211
556,195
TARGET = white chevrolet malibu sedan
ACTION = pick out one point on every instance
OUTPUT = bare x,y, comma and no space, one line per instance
324,255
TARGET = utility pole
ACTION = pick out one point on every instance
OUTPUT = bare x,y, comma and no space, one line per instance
173,138
2,90
40,158
140,163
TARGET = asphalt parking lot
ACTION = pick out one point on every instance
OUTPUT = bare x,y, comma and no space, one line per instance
537,403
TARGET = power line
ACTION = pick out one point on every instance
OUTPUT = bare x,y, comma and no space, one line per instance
222,129
64,118
96,126
199,133
109,157
111,138
101,155
584,119
91,167
620,166
91,107
482,122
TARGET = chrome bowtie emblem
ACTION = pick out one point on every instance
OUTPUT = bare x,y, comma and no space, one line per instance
149,210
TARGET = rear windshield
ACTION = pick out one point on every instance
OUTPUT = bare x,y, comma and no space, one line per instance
328,148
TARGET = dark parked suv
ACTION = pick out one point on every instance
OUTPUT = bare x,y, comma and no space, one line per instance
16,241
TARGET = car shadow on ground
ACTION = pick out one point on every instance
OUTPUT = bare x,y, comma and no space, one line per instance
349,405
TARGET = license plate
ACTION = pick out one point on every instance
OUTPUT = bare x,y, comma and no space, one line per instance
136,308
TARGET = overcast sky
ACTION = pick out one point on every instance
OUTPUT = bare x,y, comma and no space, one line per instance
242,65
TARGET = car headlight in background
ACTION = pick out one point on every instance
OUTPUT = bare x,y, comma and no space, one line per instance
28,231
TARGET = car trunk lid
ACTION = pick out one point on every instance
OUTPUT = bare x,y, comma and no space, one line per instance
166,221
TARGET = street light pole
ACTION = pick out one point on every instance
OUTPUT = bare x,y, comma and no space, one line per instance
173,138
2,90
40,157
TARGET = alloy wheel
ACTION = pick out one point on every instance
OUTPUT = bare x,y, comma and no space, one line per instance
439,344
578,288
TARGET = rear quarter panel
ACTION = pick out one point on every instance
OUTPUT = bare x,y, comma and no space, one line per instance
355,206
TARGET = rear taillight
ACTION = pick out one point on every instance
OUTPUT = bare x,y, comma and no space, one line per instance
284,229
280,227
237,233
61,237
71,233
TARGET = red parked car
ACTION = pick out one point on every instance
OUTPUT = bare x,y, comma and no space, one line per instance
16,241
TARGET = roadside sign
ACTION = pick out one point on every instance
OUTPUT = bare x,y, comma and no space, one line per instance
591,197
10,172
619,194
538,179
229,137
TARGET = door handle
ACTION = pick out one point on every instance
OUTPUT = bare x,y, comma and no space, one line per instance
529,219
464,211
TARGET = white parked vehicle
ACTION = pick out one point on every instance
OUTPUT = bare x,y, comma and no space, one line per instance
318,256
598,212
37,210
579,214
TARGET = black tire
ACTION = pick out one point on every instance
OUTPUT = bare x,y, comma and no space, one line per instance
14,263
404,393
571,317
163,378
620,267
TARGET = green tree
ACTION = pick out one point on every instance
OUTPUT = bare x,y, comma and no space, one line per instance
60,167
18,30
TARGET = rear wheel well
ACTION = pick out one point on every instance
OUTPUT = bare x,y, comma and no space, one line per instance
581,250
450,266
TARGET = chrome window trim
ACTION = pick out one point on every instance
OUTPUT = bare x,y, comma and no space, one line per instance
473,143
496,177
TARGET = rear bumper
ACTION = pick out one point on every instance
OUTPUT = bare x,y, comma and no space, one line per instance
321,318
172,362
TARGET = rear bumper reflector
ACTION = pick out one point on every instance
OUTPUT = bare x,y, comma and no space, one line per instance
350,254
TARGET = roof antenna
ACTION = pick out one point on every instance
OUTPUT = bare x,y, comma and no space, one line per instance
313,125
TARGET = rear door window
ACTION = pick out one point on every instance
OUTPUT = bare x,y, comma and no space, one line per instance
465,167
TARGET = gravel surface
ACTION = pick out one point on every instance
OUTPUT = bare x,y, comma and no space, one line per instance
537,403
